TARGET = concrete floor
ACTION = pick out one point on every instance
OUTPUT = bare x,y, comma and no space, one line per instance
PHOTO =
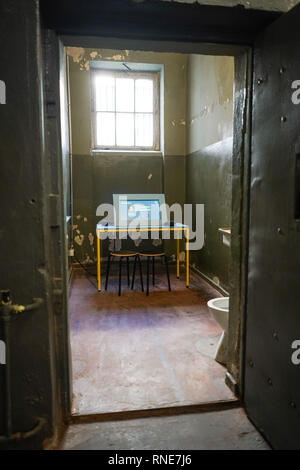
135,352
218,430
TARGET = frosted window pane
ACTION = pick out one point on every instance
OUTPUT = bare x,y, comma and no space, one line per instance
144,130
105,129
125,129
105,93
125,94
144,96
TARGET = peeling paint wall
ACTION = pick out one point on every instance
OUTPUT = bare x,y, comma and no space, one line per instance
96,176
209,156
198,106
174,94
209,101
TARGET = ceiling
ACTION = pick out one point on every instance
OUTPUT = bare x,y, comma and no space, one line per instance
273,5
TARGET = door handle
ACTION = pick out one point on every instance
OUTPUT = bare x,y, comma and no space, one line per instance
8,310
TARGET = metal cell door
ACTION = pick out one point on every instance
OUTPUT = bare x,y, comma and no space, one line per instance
272,378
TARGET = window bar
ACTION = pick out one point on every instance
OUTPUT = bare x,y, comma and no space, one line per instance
115,111
154,130
134,120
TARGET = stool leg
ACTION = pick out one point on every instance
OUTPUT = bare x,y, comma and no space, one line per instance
141,272
148,269
107,271
120,275
133,274
153,267
167,271
128,280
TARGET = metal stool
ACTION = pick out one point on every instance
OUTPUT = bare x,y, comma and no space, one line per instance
153,255
121,255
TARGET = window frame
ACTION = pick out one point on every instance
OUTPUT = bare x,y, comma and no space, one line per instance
155,76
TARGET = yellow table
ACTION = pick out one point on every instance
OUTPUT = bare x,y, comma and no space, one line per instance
174,228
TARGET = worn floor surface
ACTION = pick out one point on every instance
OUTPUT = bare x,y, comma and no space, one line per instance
133,352
218,430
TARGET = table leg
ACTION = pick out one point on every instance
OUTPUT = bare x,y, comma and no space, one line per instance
178,268
187,257
98,261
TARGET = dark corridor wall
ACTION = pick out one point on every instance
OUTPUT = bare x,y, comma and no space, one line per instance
29,406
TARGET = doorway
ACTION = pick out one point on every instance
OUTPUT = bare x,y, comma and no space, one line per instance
103,374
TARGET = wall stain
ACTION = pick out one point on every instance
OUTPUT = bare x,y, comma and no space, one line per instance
91,239
79,239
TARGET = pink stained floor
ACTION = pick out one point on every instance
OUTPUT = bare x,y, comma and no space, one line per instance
135,352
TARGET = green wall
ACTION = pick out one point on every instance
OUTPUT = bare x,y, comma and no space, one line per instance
209,156
208,173
194,165
95,179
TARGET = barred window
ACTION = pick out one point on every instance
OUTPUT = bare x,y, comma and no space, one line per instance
125,107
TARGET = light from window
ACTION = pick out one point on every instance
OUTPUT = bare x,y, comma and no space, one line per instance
125,111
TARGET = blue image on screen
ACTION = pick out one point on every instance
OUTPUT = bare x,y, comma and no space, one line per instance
142,211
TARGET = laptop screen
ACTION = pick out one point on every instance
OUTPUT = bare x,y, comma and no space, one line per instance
143,211
140,210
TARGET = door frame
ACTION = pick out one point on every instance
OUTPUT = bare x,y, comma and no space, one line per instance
240,197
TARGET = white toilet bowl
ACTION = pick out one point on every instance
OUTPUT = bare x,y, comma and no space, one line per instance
219,308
